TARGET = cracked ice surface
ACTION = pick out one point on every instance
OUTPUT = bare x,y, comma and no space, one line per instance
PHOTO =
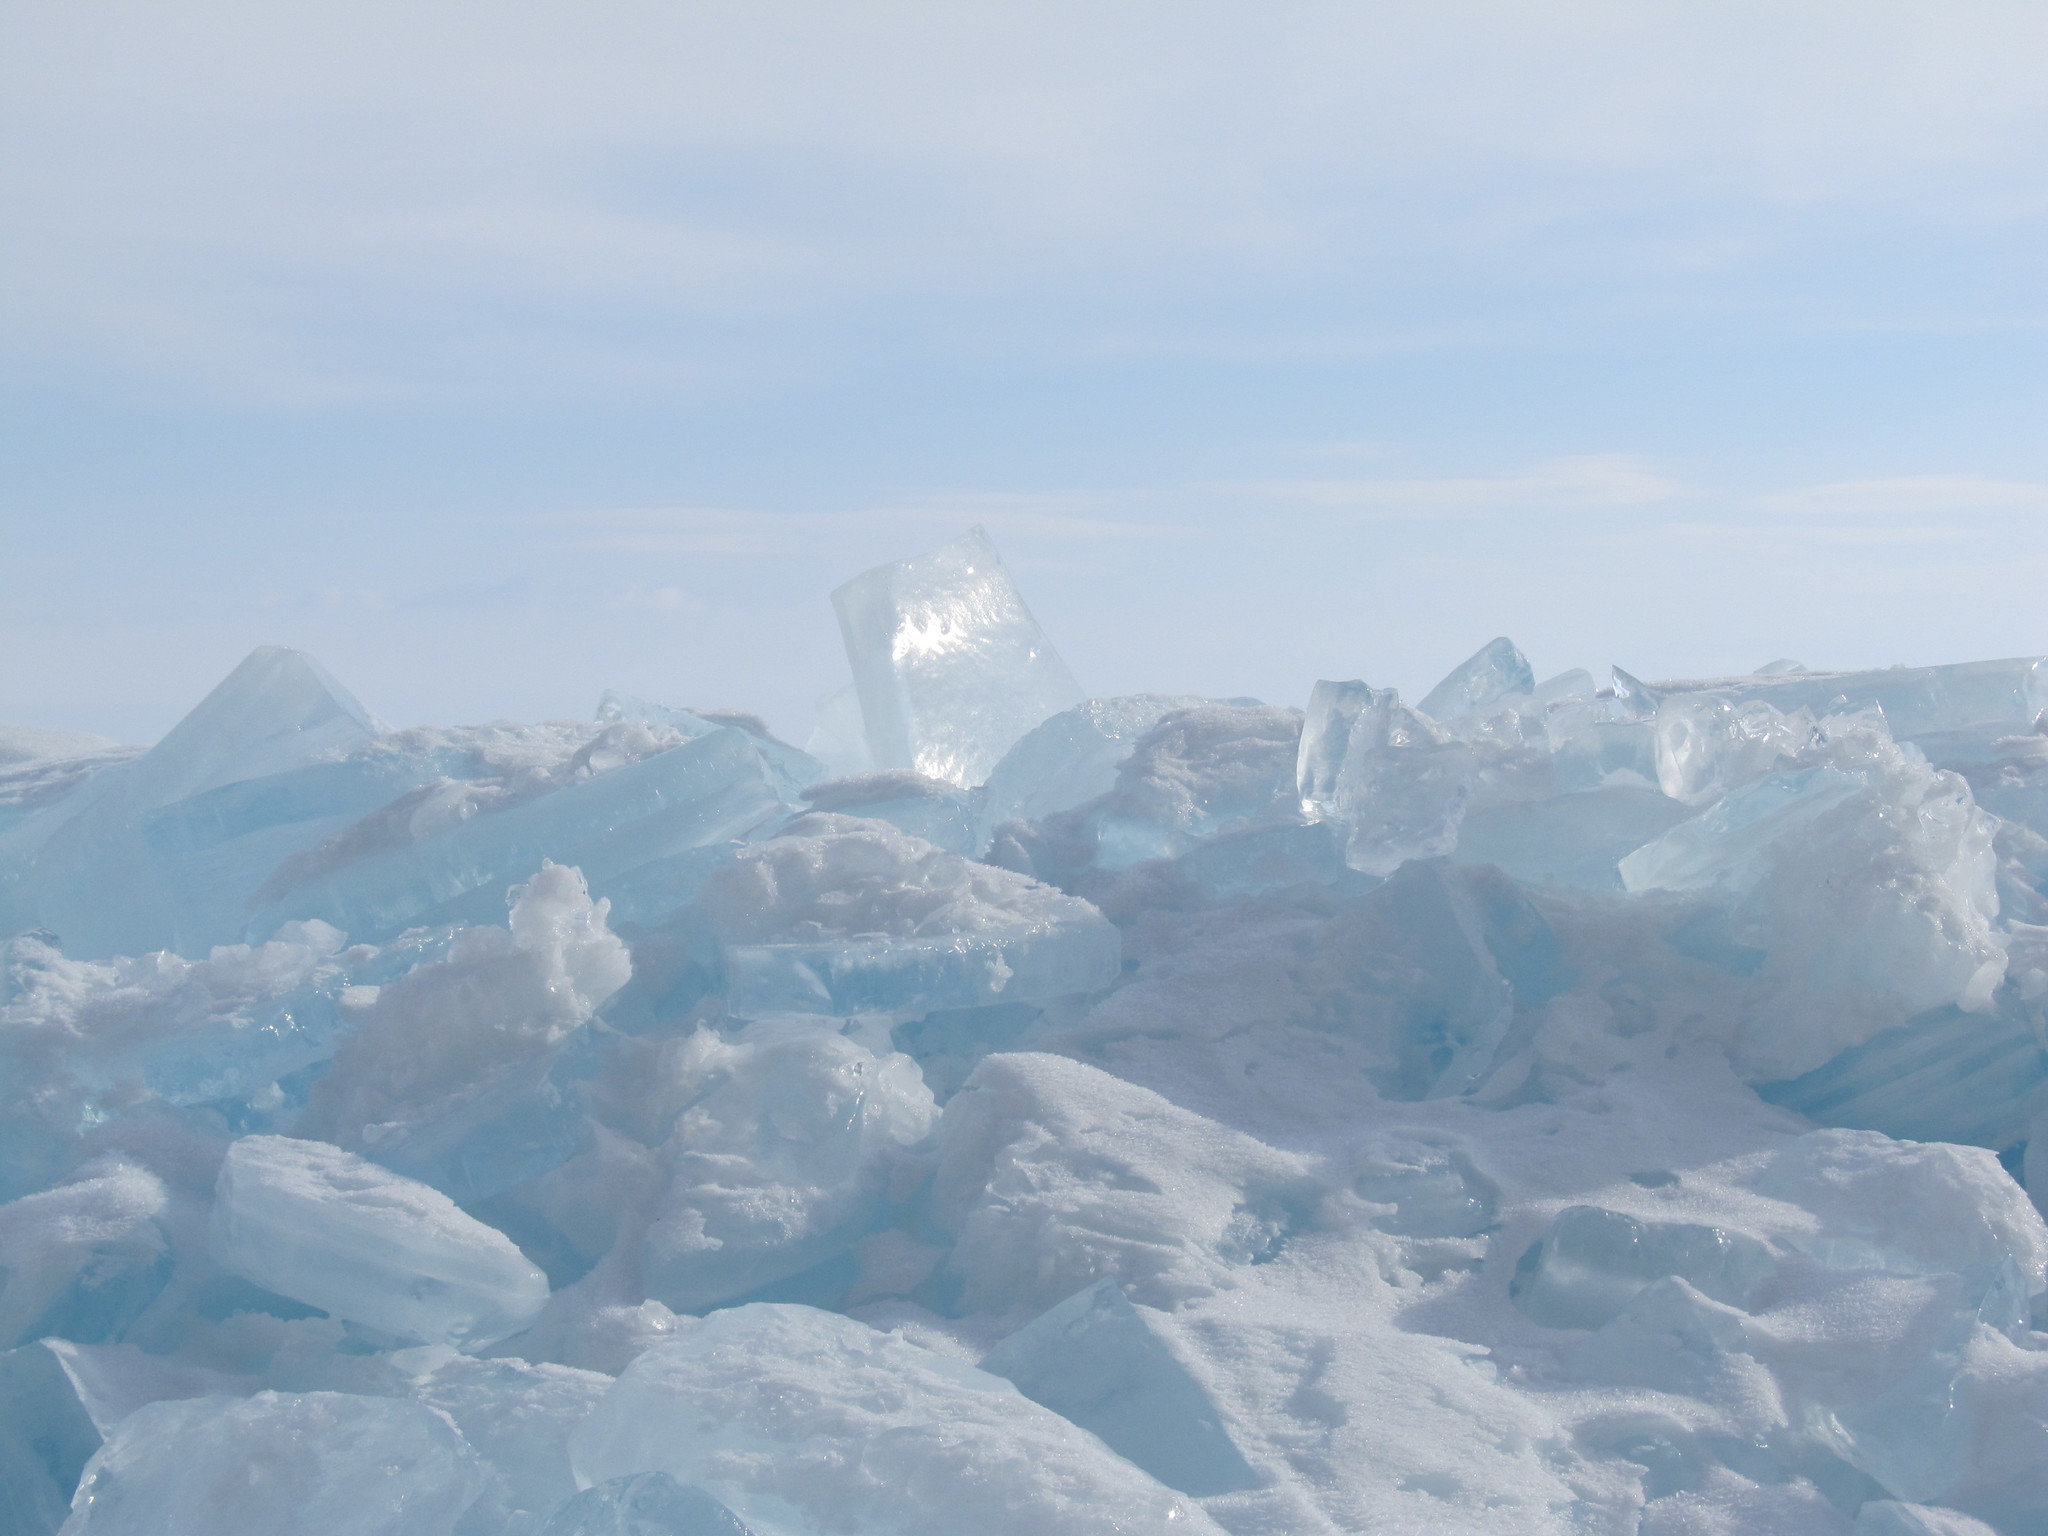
1549,1107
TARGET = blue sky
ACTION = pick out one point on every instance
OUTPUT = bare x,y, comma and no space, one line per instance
501,354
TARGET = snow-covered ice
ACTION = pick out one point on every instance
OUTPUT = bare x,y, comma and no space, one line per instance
1591,1106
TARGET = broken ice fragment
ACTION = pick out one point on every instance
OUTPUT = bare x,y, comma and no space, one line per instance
1107,1366
839,738
2008,695
1592,1263
83,1260
643,1504
1072,758
950,666
327,1228
942,814
318,1461
1495,672
804,1420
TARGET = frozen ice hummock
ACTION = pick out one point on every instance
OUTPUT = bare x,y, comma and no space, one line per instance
950,667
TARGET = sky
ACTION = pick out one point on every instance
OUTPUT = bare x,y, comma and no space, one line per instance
498,354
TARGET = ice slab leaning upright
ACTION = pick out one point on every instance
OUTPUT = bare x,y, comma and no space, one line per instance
324,1227
1496,671
950,666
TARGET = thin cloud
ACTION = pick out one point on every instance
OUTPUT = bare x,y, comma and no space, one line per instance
1585,482
1908,496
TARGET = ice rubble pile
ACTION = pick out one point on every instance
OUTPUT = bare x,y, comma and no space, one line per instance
1546,1107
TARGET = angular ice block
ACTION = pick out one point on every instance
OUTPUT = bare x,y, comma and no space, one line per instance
802,1420
1109,1367
275,1463
1592,1262
1072,758
96,881
83,1260
2008,694
1495,672
327,1228
704,792
951,668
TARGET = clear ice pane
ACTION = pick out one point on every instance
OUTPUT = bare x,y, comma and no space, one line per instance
950,666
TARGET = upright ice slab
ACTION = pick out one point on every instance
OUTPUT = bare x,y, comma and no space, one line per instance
950,666
1106,1365
324,1227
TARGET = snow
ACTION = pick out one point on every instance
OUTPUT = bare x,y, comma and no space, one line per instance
1602,1108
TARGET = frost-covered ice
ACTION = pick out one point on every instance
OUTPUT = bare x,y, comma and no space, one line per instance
1556,1106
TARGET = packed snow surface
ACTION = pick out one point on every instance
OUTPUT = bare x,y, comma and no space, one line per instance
1550,1106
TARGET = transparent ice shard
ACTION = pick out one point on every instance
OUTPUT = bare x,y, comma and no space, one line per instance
1573,841
1391,776
1109,1367
798,1419
2007,694
1592,1263
1333,711
318,1461
643,1504
950,666
94,877
327,1228
794,769
1497,671
515,1414
839,738
705,792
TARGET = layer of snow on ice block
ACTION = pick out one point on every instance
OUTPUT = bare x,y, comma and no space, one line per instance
783,1157
1865,885
703,792
324,1227
83,1260
445,1076
1072,758
804,1421
644,1504
842,916
278,710
1054,1174
1110,1367
323,1462
950,666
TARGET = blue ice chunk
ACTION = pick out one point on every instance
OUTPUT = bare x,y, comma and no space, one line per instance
1073,757
314,1223
839,739
84,1260
951,668
46,1438
1593,1262
704,792
643,1504
1435,966
275,712
1497,671
917,976
1727,846
1104,1364
1575,840
329,1462
2009,694
1279,858
1391,776
1944,1075
942,814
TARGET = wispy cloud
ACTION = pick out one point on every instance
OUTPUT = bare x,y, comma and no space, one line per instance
1908,496
1582,483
